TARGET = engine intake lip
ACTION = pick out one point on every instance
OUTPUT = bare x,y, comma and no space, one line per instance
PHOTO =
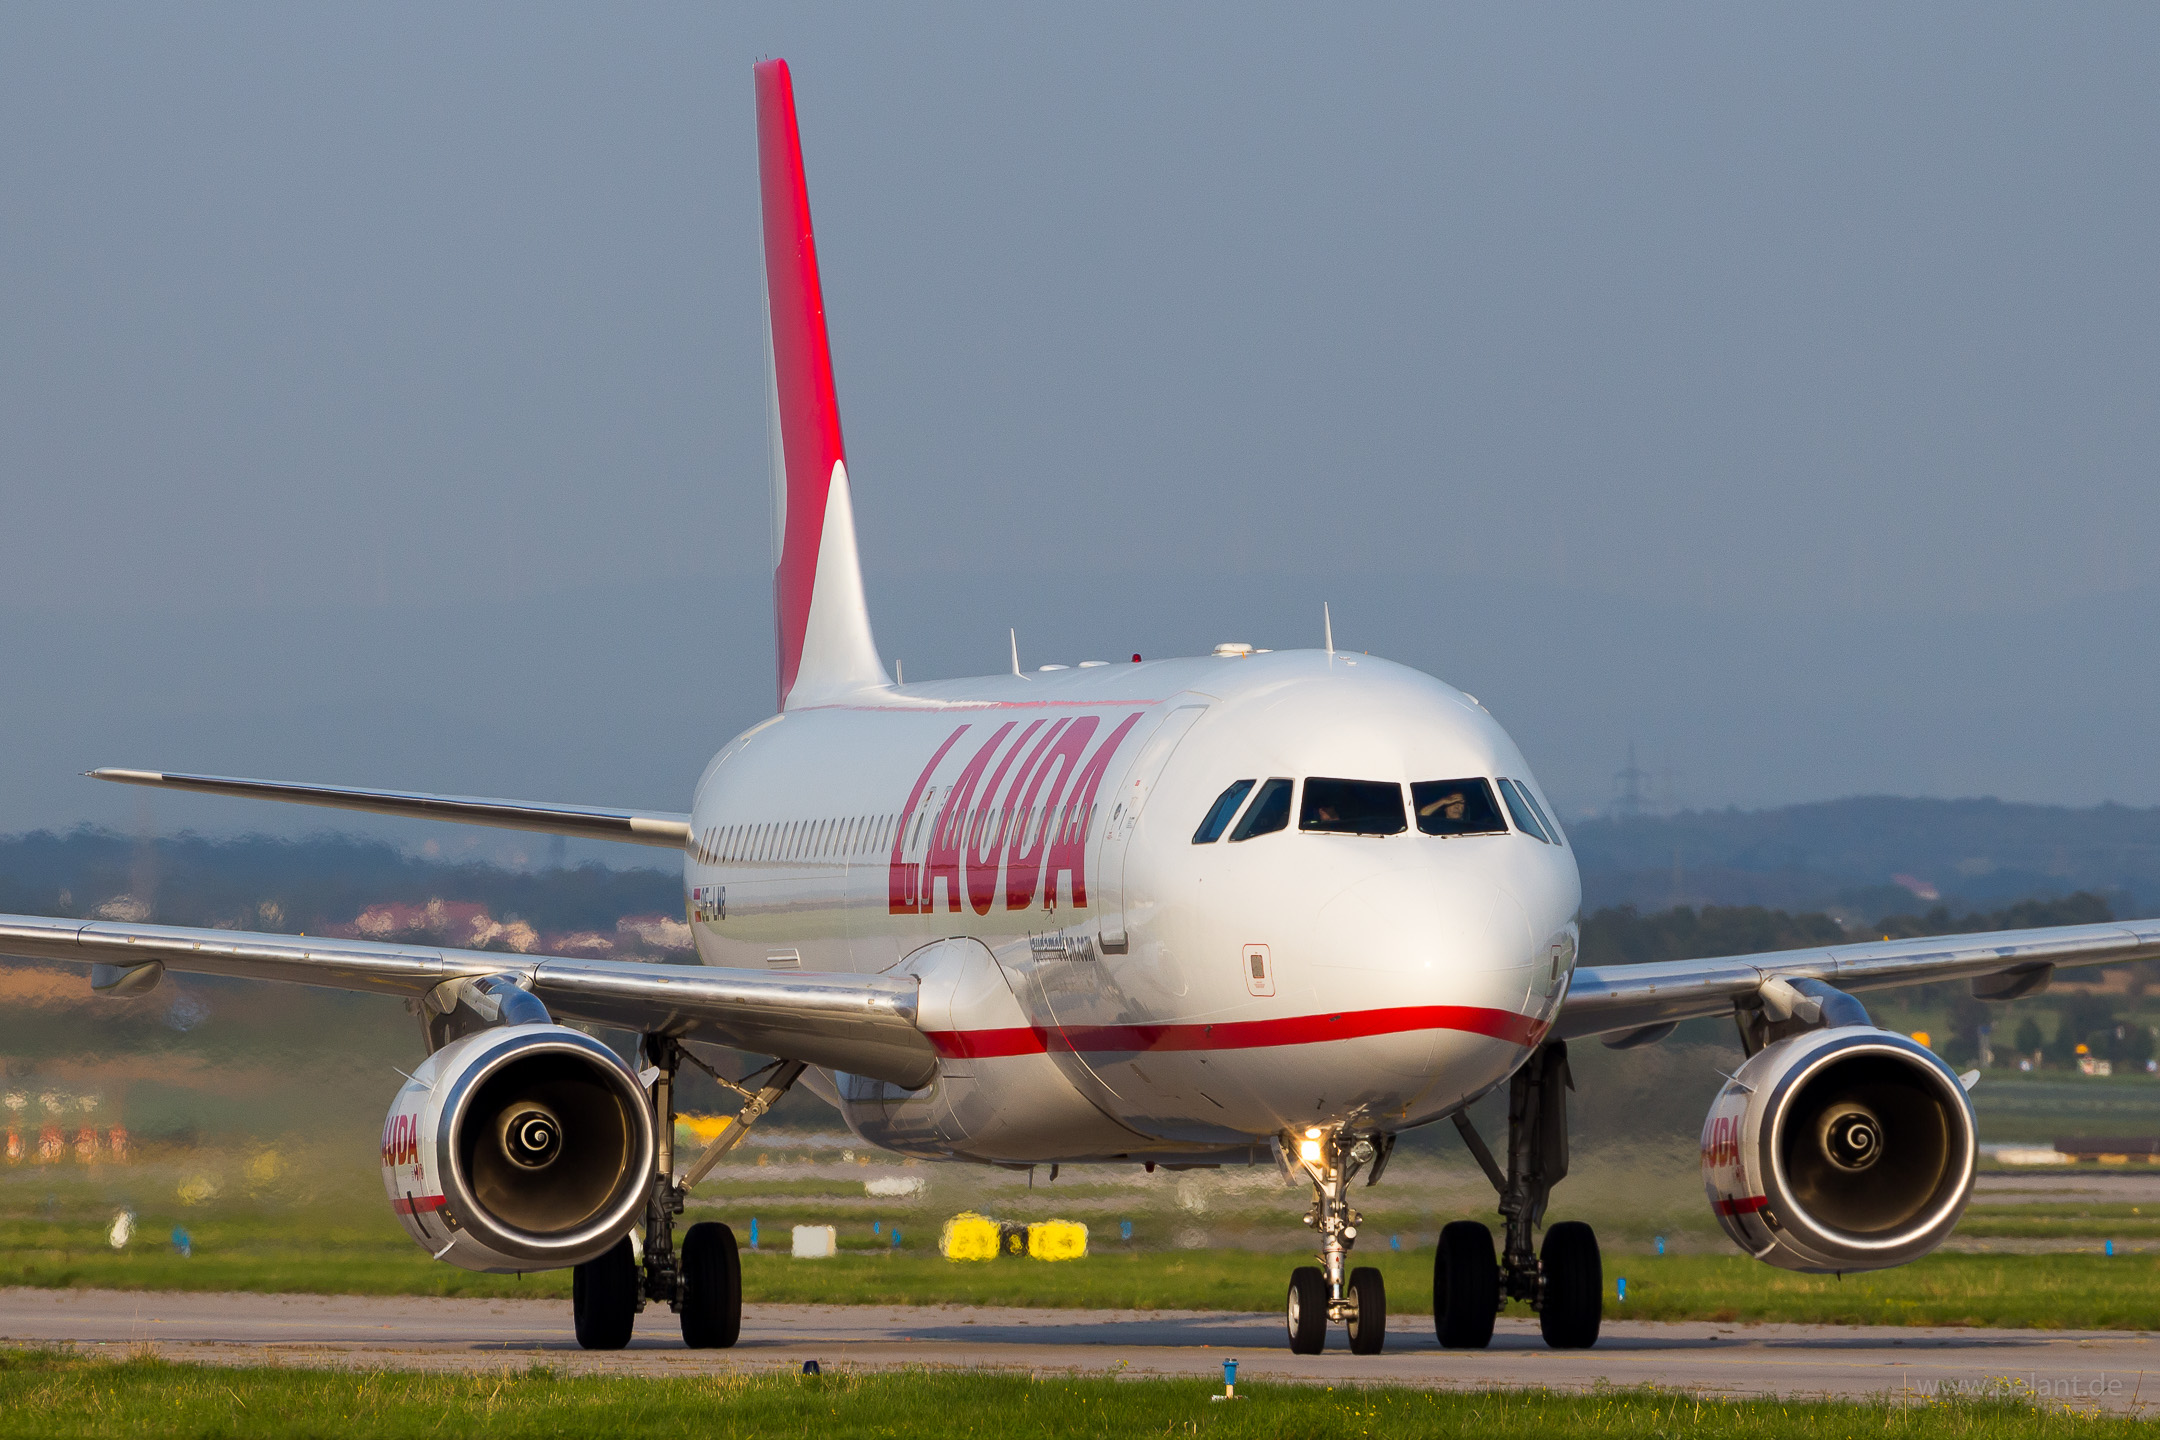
1907,1195
594,1184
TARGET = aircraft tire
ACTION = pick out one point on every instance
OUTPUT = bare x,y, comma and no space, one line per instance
1574,1291
1466,1286
712,1288
1305,1310
604,1297
1368,1311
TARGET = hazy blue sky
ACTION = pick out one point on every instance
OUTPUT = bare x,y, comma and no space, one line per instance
382,389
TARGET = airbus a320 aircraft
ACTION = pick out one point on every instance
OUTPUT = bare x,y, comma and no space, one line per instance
1249,908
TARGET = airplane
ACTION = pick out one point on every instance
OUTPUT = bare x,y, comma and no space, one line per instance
1254,907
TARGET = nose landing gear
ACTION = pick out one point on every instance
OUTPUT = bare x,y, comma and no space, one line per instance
1326,1294
1565,1281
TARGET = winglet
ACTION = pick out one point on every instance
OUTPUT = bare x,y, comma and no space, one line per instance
821,621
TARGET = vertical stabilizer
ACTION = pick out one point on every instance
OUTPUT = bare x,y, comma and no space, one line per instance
820,621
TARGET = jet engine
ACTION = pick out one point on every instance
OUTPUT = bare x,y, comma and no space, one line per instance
523,1146
1849,1148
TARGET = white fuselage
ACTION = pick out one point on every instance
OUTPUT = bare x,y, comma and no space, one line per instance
1099,984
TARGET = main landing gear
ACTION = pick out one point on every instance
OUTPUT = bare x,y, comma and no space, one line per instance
1322,1295
700,1280
1565,1280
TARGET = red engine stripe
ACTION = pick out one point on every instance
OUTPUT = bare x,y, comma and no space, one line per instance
418,1204
1505,1025
1745,1205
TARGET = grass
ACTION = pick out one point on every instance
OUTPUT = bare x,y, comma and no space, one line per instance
2064,1221
2037,1291
272,1253
46,1394
2045,1292
2036,1107
236,1251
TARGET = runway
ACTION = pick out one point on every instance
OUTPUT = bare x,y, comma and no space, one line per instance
2104,1369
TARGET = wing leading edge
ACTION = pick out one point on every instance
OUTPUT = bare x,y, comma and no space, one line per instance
861,1024
1606,999
662,828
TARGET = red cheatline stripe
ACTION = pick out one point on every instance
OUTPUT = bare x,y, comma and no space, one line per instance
984,1044
1240,1034
417,1204
1746,1205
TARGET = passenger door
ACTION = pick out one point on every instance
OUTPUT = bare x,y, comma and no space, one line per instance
1125,808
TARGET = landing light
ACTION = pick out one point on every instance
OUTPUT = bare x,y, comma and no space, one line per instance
1309,1151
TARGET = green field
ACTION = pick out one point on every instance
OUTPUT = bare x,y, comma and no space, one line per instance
44,1394
268,1168
276,1253
2061,1221
2040,1291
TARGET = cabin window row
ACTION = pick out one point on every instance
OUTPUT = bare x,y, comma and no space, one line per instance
775,840
865,836
1333,806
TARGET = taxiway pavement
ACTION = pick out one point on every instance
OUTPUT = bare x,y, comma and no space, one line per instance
2087,1369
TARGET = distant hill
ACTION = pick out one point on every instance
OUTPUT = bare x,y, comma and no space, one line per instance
208,1058
336,884
1873,855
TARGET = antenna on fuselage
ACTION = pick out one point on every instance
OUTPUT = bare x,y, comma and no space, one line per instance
1327,628
1014,635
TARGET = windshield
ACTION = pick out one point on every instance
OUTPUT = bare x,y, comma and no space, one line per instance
1457,807
1526,815
1545,821
1218,815
1352,807
1269,812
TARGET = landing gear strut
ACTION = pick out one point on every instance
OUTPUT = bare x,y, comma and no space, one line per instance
1325,1294
702,1279
1565,1282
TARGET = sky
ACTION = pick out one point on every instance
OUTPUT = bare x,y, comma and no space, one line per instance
382,393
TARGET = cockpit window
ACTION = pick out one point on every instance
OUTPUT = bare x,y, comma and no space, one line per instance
1352,807
1218,815
1549,825
1457,807
1525,813
1269,811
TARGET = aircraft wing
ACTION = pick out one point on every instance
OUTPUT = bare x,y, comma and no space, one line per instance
2002,965
663,828
864,1024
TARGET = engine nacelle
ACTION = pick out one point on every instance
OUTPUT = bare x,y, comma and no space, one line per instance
519,1147
1841,1149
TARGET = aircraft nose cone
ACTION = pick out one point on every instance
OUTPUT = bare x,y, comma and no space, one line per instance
1459,935
1456,947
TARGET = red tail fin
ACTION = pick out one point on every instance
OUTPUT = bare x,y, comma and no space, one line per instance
821,624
